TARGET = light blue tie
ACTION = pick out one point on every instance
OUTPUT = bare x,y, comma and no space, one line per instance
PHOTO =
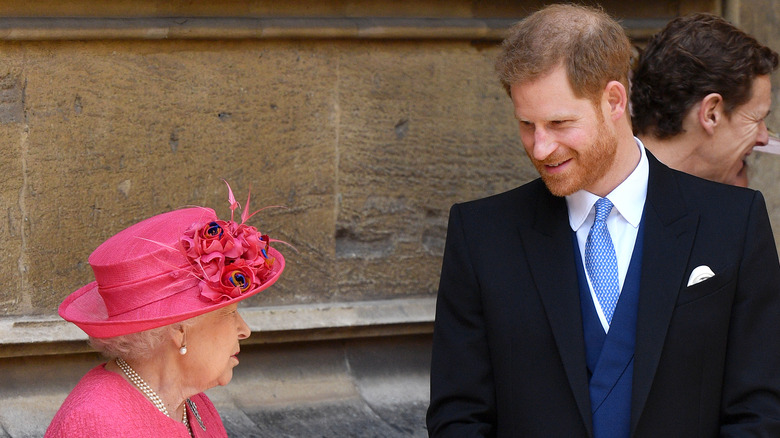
600,260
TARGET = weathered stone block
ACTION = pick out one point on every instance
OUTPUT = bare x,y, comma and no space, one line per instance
121,131
423,125
366,144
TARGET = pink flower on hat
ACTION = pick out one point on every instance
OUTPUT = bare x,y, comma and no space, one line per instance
211,238
234,279
229,258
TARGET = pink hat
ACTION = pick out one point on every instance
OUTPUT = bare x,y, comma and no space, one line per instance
169,268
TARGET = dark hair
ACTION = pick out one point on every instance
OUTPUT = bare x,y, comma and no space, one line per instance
691,57
592,46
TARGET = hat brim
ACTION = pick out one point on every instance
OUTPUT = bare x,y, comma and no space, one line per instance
86,308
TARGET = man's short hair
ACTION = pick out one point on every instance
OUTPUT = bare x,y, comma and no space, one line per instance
691,57
592,47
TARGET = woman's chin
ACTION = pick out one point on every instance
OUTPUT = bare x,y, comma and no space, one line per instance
226,377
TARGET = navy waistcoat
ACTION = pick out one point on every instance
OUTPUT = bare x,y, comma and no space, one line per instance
610,356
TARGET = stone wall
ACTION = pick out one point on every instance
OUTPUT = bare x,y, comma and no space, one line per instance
365,120
365,144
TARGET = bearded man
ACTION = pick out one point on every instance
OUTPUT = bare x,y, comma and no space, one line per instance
613,297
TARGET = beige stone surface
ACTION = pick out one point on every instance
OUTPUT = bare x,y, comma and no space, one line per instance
13,157
338,8
119,132
419,132
366,144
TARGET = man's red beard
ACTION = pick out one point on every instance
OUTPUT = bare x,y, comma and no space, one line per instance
586,166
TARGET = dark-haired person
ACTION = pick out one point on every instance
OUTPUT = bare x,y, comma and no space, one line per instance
700,94
613,297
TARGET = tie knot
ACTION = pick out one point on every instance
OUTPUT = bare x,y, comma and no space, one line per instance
603,207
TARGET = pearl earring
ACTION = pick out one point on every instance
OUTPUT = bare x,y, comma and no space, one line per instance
183,350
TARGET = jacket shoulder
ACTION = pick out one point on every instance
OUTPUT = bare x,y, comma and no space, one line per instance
521,198
710,195
673,191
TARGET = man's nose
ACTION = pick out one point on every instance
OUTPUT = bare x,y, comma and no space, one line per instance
762,139
544,144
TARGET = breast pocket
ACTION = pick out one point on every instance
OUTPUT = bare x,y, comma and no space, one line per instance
723,278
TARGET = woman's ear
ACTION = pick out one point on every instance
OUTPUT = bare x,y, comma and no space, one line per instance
617,99
181,339
711,112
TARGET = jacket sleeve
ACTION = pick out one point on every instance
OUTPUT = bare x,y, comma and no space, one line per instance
751,384
462,388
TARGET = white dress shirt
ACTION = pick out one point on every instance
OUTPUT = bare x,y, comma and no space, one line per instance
628,199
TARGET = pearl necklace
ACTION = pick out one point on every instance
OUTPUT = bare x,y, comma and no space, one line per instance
149,392
140,384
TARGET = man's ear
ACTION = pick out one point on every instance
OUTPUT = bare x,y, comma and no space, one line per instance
711,112
617,99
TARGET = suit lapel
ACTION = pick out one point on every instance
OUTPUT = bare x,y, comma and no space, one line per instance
669,235
551,258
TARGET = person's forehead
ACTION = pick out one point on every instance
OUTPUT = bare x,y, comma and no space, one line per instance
219,314
550,94
228,309
554,110
761,93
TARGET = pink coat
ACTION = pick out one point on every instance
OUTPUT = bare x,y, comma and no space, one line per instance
104,404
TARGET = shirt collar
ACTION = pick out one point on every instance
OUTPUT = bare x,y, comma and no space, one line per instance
628,197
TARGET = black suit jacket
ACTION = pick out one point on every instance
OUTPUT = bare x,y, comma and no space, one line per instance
508,351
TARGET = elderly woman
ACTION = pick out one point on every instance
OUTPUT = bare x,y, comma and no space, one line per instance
163,309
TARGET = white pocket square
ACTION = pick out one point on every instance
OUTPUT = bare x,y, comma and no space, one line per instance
700,274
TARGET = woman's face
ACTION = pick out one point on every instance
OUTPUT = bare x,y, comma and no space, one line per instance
212,346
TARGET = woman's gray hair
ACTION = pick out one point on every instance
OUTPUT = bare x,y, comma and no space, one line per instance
138,346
